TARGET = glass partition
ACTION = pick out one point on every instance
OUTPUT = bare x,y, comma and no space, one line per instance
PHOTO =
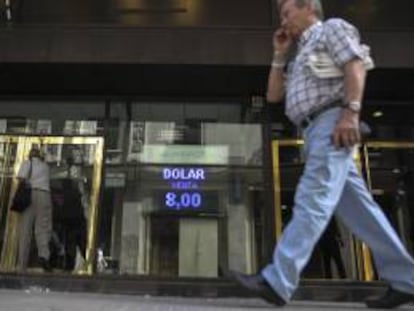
338,253
52,118
73,161
184,200
182,186
389,167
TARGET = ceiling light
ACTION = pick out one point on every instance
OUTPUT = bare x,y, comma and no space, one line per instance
377,114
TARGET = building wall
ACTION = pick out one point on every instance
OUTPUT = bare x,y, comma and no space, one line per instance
146,12
366,14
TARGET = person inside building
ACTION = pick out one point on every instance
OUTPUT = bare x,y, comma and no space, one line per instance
72,223
319,69
39,214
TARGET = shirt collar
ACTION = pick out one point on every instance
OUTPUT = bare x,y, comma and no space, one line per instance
308,33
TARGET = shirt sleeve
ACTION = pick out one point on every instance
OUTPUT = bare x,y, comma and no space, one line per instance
24,170
343,41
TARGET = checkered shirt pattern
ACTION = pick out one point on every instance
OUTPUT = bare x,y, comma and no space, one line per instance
306,93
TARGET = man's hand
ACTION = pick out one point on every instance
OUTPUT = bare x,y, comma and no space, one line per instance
281,41
276,80
346,133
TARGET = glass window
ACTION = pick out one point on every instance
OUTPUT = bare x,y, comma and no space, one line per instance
390,175
333,256
389,120
57,118
184,197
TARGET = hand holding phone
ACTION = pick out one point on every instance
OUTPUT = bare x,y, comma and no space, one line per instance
281,40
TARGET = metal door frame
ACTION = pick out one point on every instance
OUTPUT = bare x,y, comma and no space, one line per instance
9,251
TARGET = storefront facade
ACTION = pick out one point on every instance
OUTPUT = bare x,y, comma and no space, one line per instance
184,171
167,197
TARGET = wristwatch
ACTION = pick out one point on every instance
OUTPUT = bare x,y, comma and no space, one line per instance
354,106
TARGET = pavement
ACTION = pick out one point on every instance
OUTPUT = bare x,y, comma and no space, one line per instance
39,299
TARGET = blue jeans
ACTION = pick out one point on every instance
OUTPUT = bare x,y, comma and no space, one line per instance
331,184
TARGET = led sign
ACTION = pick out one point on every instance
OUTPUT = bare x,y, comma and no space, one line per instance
183,173
184,188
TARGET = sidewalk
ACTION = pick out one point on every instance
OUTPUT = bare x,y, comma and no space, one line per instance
37,300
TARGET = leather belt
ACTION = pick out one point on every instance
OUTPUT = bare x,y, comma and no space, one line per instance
313,115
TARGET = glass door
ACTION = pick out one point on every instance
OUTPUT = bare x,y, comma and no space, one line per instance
72,160
10,149
338,254
390,174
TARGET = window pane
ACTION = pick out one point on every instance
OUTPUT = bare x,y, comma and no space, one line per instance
185,197
58,118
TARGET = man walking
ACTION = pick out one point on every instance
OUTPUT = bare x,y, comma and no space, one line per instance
323,89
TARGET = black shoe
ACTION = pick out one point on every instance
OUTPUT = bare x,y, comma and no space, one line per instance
391,299
257,285
45,264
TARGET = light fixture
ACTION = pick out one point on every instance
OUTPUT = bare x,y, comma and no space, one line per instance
378,114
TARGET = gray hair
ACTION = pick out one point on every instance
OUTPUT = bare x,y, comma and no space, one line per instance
316,4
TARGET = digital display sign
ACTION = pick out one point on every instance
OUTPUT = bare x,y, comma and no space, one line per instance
185,190
183,200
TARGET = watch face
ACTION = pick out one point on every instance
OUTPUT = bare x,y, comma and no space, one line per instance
354,106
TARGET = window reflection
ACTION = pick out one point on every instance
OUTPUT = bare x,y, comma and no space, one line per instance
182,193
333,254
391,180
186,201
57,118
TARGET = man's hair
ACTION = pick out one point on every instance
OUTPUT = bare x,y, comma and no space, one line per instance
317,5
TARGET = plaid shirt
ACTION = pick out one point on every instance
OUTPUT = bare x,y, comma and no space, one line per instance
306,93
